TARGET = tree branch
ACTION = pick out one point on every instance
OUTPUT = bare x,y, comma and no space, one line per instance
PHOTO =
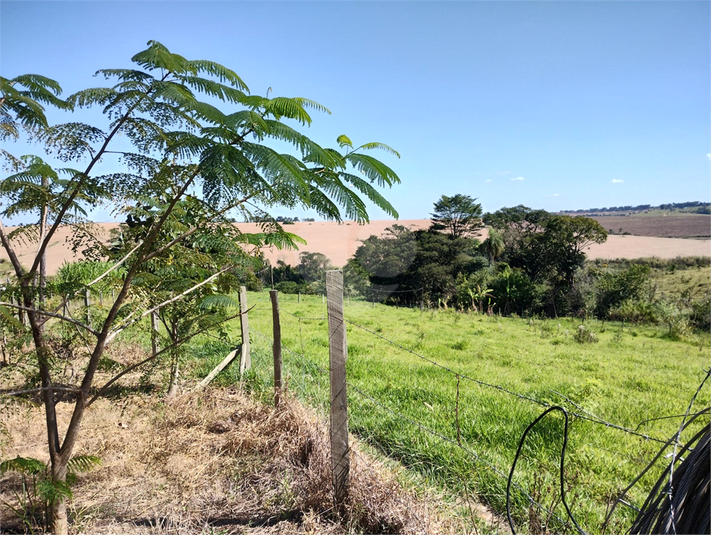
51,315
127,324
104,388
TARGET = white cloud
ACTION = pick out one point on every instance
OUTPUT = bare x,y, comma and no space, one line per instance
488,180
709,155
518,179
555,195
616,181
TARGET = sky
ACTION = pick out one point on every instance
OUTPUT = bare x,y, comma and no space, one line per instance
560,105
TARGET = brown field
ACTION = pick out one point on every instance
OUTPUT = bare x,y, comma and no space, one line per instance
661,224
340,241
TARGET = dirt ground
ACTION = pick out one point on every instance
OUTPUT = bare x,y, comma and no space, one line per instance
340,241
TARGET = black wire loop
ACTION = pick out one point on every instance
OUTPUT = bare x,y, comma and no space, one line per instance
562,467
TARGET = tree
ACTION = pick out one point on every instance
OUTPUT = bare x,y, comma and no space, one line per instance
459,216
191,132
548,248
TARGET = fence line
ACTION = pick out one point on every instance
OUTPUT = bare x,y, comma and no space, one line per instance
475,455
591,418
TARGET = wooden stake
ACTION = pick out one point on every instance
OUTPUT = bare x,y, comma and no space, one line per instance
276,347
154,331
340,462
245,362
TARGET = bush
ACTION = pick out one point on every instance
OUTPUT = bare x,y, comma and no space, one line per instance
676,321
700,317
583,335
615,289
514,292
634,311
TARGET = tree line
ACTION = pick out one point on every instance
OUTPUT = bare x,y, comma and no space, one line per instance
532,263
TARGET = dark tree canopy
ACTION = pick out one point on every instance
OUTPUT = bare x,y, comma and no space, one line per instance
458,216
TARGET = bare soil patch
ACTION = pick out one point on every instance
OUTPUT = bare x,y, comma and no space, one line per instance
340,241
664,225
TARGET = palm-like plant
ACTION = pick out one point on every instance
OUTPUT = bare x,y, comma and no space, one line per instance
191,133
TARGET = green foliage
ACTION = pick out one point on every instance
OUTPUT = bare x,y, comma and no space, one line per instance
616,288
700,316
513,291
583,335
38,490
180,149
549,248
413,268
459,216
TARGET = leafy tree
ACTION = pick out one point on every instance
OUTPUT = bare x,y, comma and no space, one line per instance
459,216
549,248
407,267
191,132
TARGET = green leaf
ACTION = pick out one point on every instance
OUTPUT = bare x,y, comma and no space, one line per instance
83,463
344,141
23,465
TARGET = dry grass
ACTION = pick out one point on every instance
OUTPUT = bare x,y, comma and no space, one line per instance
216,462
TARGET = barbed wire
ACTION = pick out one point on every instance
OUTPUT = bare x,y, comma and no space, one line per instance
677,439
591,418
469,451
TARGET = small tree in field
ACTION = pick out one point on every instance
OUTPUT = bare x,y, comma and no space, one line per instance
177,133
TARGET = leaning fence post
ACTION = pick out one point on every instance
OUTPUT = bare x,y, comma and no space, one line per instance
245,362
340,464
276,347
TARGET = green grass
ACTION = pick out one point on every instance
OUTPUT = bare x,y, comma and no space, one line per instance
629,375
674,283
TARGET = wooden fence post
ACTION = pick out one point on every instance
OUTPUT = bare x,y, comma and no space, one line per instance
245,361
276,346
340,462
154,332
87,302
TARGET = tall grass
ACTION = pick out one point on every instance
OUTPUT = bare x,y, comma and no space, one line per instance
629,377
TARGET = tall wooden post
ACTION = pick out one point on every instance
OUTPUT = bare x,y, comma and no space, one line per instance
154,332
87,302
340,462
276,347
245,361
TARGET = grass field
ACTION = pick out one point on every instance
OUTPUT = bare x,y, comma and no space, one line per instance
629,376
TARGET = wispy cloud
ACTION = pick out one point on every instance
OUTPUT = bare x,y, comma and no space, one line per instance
489,180
616,181
708,155
518,179
554,195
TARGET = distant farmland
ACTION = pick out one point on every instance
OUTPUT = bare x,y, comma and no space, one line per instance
340,241
658,223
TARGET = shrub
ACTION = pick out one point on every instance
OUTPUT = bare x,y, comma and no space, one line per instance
634,311
700,316
583,335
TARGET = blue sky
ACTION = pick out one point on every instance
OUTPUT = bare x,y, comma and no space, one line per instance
555,105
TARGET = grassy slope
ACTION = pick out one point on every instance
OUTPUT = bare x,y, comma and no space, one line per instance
629,376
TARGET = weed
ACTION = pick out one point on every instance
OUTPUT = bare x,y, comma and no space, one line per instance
584,335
